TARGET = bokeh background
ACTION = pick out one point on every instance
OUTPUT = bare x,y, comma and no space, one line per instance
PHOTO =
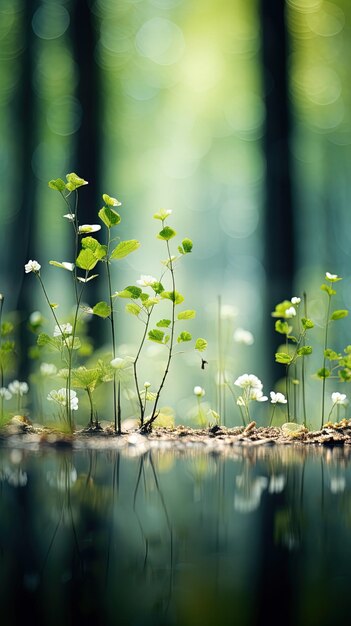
236,115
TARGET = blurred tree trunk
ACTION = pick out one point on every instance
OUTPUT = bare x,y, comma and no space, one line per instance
22,234
279,222
87,150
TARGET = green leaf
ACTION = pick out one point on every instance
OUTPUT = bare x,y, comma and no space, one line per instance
174,296
345,375
57,184
307,323
109,217
45,340
187,315
166,233
331,355
304,351
158,287
130,292
323,373
156,335
95,246
7,346
150,302
329,290
339,314
86,259
184,336
186,247
133,308
163,323
74,181
281,308
282,327
86,378
162,214
124,248
6,328
110,201
102,309
283,357
200,344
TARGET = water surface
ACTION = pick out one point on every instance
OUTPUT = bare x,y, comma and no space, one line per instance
157,538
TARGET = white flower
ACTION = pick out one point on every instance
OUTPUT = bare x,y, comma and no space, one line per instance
63,329
257,394
199,391
67,266
243,336
32,266
70,216
290,312
331,277
4,393
146,280
228,312
277,398
248,380
36,318
17,388
147,385
48,369
339,398
337,484
88,228
295,300
60,397
121,364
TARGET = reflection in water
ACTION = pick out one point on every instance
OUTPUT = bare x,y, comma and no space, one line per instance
173,538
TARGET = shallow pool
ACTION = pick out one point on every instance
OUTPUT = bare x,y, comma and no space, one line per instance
155,538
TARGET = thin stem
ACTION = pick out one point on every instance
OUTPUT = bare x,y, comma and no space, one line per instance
303,370
116,410
171,269
220,368
324,358
142,406
1,365
91,406
273,411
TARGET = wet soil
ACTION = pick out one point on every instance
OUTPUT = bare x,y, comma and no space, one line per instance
216,439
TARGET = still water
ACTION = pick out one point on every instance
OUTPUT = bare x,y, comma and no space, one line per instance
161,538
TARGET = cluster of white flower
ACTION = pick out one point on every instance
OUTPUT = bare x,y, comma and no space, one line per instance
63,329
146,280
60,396
17,388
252,387
243,336
32,266
5,393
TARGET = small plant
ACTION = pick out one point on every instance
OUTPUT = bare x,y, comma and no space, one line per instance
144,297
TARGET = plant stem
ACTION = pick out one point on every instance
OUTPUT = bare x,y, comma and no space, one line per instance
273,411
171,269
324,358
1,365
142,406
64,338
116,411
303,369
